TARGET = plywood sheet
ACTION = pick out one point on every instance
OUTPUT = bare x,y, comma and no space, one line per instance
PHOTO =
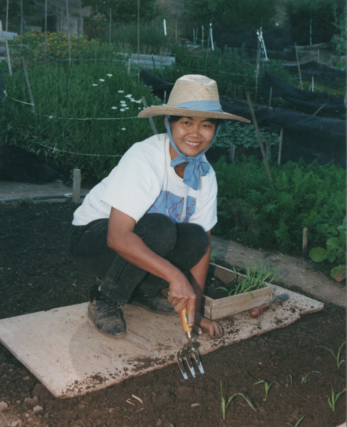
62,348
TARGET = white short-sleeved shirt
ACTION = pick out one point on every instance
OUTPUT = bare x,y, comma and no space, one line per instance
145,182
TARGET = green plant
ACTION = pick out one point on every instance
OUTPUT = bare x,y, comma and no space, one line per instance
337,355
225,403
297,423
267,386
334,398
304,379
213,255
335,251
339,38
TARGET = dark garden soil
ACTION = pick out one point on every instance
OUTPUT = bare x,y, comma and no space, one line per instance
37,274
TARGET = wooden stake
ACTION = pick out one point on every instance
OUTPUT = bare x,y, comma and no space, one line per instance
129,65
232,153
138,40
8,57
312,84
28,84
81,21
109,29
76,189
7,15
202,37
280,147
310,31
318,56
257,71
297,60
45,27
259,137
21,23
270,97
68,30
304,240
154,129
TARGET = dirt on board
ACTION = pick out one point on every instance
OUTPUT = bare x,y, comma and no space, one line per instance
37,274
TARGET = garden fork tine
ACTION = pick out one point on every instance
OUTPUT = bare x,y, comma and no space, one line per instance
189,351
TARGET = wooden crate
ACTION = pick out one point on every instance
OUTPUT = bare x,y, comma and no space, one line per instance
228,306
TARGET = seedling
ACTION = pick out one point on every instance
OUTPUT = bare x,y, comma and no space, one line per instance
297,423
337,355
334,398
225,404
267,387
304,379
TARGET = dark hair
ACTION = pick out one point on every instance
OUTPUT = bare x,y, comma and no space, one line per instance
216,122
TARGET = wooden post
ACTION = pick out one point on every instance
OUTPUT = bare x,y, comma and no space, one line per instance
45,27
68,30
138,40
81,21
297,60
232,153
164,96
8,57
312,84
280,147
270,97
28,84
310,31
304,240
268,149
7,15
318,56
202,36
257,70
154,129
76,189
259,137
21,24
109,29
129,65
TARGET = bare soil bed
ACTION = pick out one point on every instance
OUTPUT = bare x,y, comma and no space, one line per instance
37,274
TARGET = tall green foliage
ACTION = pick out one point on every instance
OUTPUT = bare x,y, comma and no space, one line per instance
321,12
232,14
273,216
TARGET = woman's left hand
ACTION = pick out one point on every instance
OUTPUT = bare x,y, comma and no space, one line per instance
214,328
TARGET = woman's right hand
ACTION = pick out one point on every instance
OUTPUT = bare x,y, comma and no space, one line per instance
181,295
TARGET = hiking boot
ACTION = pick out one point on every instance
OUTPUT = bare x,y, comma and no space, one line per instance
152,301
106,316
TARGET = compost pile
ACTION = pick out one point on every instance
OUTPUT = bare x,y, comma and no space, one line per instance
37,274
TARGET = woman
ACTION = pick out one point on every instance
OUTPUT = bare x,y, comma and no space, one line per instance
147,226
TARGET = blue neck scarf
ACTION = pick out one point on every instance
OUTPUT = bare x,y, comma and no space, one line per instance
196,165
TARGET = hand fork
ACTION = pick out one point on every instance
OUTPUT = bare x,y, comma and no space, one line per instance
189,351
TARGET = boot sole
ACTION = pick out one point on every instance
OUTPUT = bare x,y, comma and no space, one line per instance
165,313
115,337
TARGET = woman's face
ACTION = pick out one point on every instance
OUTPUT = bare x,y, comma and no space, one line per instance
192,135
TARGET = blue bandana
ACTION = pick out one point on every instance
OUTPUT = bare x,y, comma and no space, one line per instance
196,165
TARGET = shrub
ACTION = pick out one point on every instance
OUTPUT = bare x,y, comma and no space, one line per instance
262,215
62,95
300,12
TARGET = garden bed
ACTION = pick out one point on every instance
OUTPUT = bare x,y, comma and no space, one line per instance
37,275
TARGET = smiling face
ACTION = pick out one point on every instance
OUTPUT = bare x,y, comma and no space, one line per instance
192,135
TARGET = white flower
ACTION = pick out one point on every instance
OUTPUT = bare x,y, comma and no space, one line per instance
128,96
109,75
102,80
121,91
123,102
123,129
126,108
114,108
139,101
50,117
122,109
132,100
94,84
139,108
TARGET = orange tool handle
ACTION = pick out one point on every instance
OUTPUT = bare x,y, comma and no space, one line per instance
184,320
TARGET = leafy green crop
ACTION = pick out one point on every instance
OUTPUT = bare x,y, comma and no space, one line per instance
259,214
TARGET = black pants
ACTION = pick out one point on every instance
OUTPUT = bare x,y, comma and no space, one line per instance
181,244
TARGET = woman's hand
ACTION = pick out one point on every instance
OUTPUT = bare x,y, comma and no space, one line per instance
181,295
213,328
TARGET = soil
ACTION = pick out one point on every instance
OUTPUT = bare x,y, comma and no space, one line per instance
37,274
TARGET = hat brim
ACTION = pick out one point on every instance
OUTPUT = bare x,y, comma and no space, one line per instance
173,111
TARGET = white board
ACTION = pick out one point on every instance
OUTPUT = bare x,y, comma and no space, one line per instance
62,348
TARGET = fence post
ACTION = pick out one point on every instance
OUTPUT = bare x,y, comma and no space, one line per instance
270,97
280,146
109,29
232,153
68,30
8,57
28,84
259,138
304,240
76,189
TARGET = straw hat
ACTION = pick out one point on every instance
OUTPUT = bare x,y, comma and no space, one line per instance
191,88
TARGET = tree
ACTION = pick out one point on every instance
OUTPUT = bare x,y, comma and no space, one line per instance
122,10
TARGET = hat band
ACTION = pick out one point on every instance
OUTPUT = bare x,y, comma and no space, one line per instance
208,106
